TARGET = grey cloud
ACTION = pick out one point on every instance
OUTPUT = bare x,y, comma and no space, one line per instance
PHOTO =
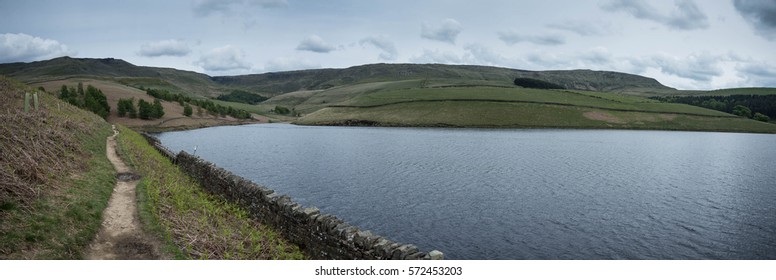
759,74
21,47
446,32
387,47
165,48
512,37
687,15
702,67
583,27
315,43
226,58
482,55
436,56
761,14
288,64
209,7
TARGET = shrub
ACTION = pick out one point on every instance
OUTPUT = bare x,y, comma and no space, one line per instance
761,117
743,111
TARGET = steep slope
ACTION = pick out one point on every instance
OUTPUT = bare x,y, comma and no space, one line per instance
55,178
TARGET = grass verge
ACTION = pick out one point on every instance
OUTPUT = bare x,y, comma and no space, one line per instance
195,224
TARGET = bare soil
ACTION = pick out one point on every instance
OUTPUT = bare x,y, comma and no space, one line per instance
603,116
121,236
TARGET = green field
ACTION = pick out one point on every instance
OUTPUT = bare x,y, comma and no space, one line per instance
487,106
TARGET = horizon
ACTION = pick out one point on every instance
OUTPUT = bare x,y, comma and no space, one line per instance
684,44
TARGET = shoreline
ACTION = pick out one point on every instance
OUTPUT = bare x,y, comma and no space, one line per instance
367,123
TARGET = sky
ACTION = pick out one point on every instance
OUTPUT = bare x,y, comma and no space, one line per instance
685,44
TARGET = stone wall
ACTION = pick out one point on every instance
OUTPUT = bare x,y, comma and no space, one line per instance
321,236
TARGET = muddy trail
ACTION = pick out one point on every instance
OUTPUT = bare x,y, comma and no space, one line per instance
121,236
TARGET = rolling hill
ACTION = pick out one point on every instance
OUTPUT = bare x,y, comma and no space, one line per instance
278,83
420,95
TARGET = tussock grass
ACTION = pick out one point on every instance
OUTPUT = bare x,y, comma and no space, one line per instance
195,224
55,179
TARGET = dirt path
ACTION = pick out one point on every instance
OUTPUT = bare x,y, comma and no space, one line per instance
120,236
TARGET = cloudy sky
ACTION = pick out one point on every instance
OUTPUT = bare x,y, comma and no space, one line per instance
687,44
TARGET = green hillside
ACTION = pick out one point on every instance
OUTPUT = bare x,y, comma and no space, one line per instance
177,81
437,75
480,106
426,95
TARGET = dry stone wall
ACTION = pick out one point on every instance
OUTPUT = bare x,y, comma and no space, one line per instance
321,236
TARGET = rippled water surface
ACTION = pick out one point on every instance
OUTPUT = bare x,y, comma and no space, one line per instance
520,194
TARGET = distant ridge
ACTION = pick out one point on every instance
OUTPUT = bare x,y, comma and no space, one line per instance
282,82
276,83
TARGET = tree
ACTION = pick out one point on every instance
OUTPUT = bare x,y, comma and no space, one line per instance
187,110
144,109
127,106
80,88
64,93
95,101
158,110
282,110
760,117
121,108
743,111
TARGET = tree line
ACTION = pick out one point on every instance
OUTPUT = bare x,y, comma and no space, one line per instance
91,99
241,96
758,107
210,106
536,83
145,110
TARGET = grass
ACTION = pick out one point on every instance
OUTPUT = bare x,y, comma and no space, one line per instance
69,174
488,106
62,223
575,98
195,224
522,115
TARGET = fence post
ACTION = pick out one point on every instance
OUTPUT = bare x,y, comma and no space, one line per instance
35,100
26,102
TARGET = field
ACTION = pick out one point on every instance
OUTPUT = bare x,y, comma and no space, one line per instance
488,106
173,113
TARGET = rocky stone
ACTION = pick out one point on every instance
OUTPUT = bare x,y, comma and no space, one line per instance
436,255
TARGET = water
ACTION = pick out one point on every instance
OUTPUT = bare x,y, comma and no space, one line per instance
520,194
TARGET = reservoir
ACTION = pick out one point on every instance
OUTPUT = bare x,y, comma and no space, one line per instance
519,193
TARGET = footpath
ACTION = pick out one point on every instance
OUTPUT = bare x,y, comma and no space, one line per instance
121,236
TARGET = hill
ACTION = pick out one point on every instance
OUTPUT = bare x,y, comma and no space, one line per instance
498,107
56,178
117,70
272,84
413,95
173,117
437,75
